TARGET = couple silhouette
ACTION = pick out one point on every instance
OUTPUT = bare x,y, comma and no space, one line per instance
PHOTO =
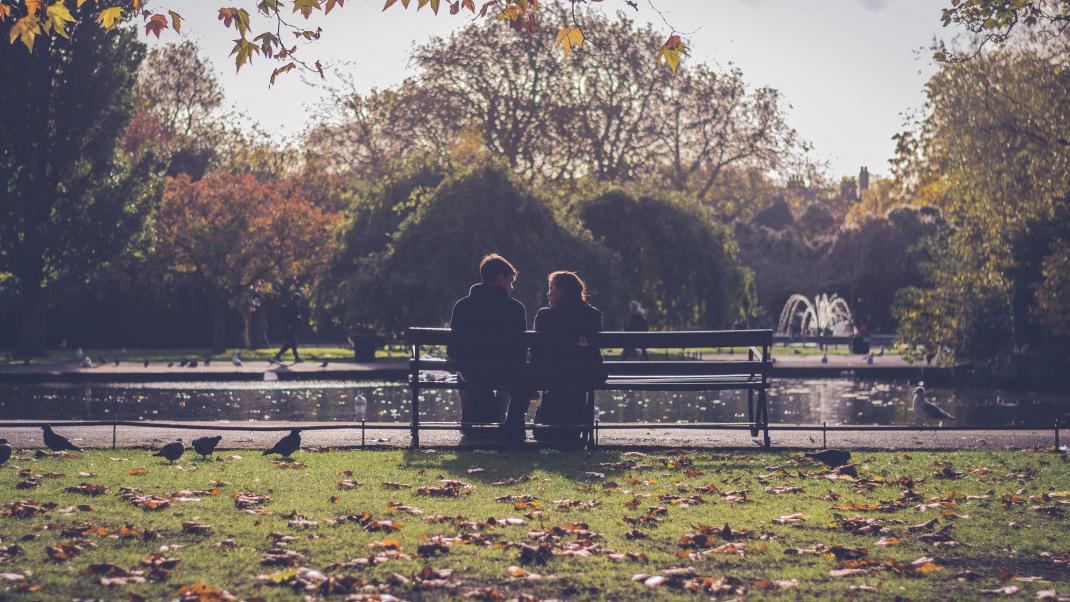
564,349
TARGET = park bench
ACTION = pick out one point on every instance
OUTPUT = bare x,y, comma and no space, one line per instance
750,372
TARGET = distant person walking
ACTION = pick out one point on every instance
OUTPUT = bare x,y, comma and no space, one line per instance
294,315
636,323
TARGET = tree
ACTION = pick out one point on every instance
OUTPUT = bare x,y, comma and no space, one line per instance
179,101
69,199
987,155
610,100
1052,310
870,260
995,21
598,116
178,86
241,240
710,122
373,217
433,256
677,260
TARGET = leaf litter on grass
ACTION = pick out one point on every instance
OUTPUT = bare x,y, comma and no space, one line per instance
893,520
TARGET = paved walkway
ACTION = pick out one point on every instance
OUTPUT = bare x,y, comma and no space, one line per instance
126,436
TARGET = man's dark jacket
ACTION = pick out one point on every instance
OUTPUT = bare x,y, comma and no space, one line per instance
488,310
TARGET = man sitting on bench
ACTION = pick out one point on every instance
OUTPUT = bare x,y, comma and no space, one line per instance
489,309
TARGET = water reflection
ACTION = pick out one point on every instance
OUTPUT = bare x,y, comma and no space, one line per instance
835,401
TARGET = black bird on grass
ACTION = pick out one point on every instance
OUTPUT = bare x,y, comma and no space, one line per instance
183,363
287,445
170,364
57,442
172,451
833,458
206,445
193,364
146,362
5,451
324,364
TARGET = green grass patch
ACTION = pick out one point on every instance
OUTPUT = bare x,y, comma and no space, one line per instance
574,521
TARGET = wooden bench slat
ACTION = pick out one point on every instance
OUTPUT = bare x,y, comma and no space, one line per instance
652,368
615,339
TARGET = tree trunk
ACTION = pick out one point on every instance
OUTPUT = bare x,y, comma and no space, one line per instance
219,328
246,328
32,319
260,328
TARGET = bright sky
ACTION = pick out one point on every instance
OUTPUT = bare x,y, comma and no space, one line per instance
850,69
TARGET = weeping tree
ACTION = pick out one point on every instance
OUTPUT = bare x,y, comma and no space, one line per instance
433,256
70,200
677,260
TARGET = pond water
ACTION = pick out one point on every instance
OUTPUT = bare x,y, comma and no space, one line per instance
811,401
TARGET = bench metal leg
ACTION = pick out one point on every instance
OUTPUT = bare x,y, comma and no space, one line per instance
750,413
763,403
590,420
415,431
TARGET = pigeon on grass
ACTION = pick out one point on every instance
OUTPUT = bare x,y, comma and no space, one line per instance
287,445
172,451
5,451
833,458
206,445
57,442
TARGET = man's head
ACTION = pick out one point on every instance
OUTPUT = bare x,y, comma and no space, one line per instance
496,270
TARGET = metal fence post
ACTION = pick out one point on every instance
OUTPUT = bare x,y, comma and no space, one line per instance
115,426
1056,436
362,434
824,435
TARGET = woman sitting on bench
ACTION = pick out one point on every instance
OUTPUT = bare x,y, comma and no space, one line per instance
569,326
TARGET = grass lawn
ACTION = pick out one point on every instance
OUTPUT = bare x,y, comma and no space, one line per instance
609,525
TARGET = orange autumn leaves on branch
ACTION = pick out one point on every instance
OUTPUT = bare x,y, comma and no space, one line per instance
28,19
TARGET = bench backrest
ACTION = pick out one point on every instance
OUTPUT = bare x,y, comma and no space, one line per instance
757,360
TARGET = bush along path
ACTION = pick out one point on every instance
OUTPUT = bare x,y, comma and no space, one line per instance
383,525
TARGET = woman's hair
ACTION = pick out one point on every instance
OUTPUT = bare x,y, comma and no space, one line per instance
571,284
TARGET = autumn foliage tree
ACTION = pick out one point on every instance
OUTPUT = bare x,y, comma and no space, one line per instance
242,240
